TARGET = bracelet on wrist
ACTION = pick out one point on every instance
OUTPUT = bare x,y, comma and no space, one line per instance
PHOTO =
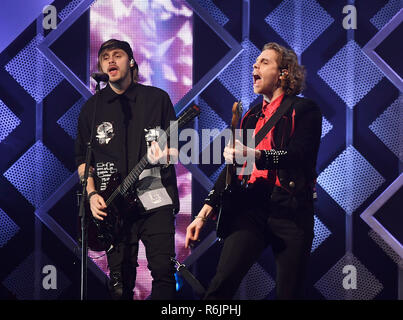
91,194
202,218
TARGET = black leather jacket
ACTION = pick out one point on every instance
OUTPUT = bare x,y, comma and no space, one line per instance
297,137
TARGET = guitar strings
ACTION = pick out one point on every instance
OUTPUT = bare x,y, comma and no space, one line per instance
133,175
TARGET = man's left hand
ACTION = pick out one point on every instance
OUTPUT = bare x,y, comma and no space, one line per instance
156,156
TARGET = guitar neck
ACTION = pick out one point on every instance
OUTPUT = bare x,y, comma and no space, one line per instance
231,166
135,173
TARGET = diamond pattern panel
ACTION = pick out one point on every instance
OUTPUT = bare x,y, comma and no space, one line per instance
37,174
8,228
299,23
69,120
350,73
326,127
388,127
208,119
38,78
68,9
256,284
9,121
216,173
214,11
21,282
331,284
237,77
350,179
386,13
386,248
321,234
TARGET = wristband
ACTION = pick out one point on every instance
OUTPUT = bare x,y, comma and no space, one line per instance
91,194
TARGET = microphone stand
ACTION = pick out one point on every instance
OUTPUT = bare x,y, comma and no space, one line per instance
82,211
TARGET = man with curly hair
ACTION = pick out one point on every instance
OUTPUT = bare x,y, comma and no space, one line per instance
276,206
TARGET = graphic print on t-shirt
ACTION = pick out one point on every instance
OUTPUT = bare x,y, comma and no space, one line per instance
104,172
105,132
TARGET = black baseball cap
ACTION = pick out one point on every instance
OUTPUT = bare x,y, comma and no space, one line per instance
118,44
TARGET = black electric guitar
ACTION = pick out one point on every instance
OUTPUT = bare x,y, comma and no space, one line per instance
103,234
228,197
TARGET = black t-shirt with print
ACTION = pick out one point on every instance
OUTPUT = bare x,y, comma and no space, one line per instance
119,136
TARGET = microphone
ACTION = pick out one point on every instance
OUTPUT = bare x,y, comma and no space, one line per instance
100,77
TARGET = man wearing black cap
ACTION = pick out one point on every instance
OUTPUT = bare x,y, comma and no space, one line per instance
124,110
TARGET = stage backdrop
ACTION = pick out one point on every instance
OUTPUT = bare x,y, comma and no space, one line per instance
202,51
51,69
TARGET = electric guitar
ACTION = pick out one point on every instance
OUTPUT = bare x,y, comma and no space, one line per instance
227,197
103,234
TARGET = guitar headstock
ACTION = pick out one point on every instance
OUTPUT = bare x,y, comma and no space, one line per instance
237,109
188,114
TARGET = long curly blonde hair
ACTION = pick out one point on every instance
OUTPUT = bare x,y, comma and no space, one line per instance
293,81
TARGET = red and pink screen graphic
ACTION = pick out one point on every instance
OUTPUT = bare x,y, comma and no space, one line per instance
160,34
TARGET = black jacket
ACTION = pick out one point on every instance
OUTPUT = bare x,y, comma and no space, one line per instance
297,137
119,138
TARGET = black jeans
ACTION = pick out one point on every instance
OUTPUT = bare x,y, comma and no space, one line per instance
157,232
253,230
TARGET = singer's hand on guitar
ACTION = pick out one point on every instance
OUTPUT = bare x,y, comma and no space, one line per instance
193,229
97,204
240,153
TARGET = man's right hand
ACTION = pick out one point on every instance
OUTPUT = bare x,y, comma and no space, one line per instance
97,204
193,229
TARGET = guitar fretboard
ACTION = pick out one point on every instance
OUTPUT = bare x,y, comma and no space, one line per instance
134,174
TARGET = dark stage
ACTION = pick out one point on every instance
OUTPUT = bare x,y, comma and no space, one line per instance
201,52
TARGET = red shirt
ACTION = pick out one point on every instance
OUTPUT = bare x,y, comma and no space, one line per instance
268,109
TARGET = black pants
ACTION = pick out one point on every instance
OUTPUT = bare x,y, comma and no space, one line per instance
253,230
157,232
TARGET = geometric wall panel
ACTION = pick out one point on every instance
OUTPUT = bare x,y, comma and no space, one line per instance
214,176
7,228
331,284
208,119
70,119
388,127
21,282
237,76
256,284
214,11
321,233
386,248
386,13
28,64
9,121
299,23
350,179
68,9
37,174
350,73
326,127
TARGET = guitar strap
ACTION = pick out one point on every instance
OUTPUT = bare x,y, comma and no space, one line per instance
282,109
